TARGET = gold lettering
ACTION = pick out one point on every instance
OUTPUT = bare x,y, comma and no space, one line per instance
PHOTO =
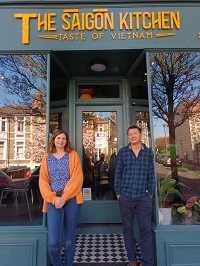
165,20
99,25
142,36
122,21
47,22
65,37
42,23
113,35
95,36
67,25
76,22
175,20
135,35
131,35
83,21
109,20
25,26
137,22
131,20
123,36
149,35
82,36
145,17
71,37
156,20
89,21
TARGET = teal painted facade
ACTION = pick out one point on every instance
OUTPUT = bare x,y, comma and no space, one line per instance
45,26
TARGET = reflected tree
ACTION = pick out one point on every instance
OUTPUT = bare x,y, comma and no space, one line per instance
175,90
23,94
21,77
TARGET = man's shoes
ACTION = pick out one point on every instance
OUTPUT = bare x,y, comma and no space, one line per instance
139,264
132,263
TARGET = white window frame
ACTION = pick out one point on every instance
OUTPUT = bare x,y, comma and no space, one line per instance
2,147
20,123
3,124
18,145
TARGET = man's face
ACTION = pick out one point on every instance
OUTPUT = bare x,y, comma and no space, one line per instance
134,136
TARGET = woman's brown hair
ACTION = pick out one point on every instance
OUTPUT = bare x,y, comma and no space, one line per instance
52,147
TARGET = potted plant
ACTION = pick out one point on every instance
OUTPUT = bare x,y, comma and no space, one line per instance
190,210
166,187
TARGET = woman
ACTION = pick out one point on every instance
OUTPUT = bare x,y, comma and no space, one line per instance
60,182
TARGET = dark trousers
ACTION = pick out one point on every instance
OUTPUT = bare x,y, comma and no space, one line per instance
141,208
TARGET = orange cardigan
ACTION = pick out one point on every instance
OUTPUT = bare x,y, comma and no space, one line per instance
72,189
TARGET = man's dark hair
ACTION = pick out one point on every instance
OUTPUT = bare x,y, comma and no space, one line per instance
133,127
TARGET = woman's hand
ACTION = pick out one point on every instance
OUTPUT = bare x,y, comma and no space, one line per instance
59,203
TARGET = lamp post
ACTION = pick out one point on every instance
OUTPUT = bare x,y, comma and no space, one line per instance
8,140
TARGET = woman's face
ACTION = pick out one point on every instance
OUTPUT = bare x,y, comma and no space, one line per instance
60,141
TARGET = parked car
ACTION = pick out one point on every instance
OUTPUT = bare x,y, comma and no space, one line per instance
5,181
34,178
167,161
161,158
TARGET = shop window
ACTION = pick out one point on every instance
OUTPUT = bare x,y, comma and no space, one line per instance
91,91
176,117
23,136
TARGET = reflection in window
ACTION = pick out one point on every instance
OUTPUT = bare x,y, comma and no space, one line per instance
1,149
3,124
20,124
142,121
23,135
99,152
98,91
20,150
55,122
175,88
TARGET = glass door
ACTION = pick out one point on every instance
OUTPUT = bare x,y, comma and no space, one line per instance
99,135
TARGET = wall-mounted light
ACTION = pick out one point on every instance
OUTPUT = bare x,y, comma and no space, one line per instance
98,65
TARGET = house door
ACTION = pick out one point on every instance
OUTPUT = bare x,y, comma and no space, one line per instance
99,135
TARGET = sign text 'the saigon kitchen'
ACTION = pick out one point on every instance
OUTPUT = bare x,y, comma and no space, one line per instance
130,25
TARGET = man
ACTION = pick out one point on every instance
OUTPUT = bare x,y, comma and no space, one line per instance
134,187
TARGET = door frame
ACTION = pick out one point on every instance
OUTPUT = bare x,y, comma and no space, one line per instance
94,211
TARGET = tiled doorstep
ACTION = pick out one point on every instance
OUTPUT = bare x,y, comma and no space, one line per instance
100,249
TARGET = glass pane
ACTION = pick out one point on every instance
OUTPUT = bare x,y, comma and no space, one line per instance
23,136
98,91
99,152
55,122
175,90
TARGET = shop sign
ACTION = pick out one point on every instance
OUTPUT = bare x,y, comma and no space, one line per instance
99,28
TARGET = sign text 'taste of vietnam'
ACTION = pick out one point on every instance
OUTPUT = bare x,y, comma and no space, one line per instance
123,26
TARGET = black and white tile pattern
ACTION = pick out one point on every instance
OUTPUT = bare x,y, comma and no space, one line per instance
101,248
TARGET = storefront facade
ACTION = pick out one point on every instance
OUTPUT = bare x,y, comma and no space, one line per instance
147,61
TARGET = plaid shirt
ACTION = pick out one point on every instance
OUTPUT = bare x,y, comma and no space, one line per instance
134,176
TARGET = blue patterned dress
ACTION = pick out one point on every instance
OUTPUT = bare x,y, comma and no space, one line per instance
58,171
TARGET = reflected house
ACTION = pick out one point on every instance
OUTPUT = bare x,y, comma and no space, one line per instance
99,134
188,137
20,134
